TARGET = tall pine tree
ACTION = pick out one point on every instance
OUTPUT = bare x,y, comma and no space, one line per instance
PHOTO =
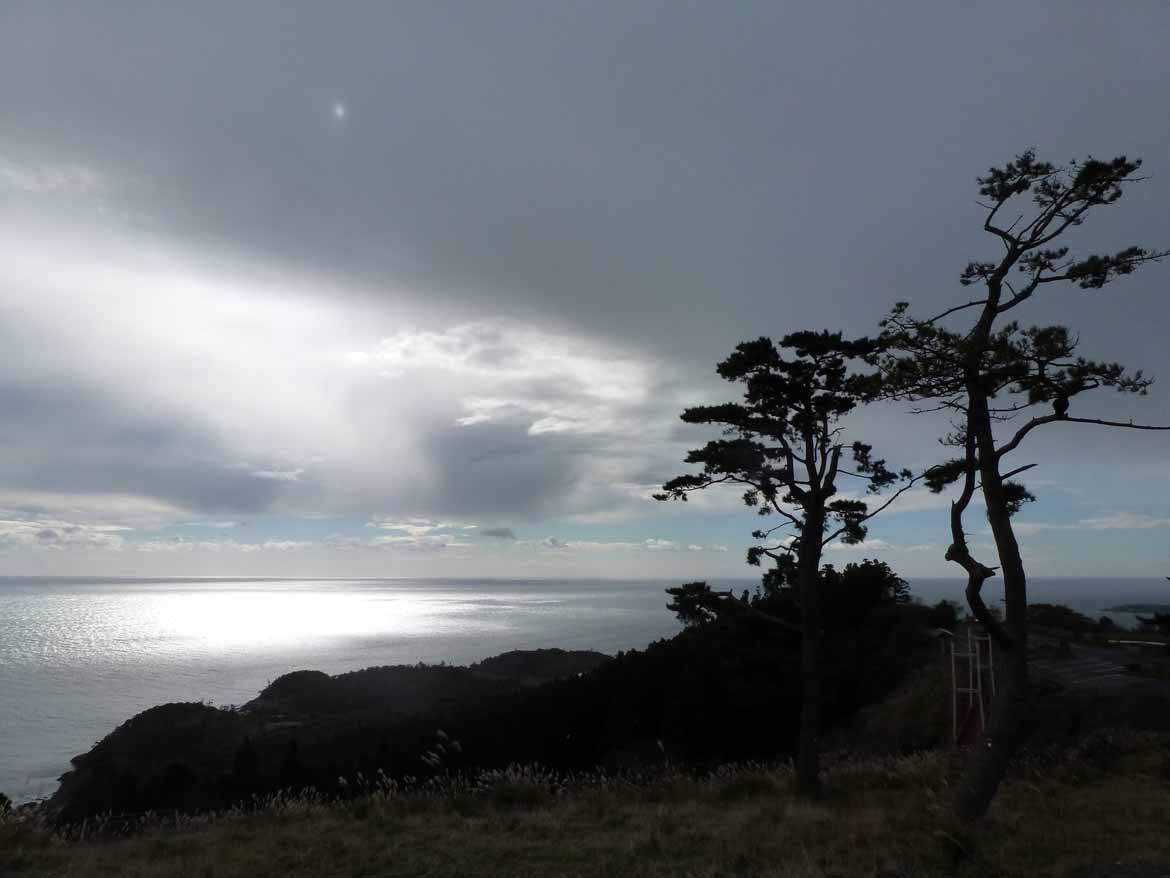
992,370
783,444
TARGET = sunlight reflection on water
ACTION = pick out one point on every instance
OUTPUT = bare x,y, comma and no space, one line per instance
78,657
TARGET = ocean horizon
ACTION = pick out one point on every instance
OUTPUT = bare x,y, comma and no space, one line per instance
80,655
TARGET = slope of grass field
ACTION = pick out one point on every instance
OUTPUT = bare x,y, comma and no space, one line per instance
1101,808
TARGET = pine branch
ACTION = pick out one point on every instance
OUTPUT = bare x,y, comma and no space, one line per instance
1048,419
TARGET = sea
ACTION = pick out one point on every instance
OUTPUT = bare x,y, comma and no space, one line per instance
79,656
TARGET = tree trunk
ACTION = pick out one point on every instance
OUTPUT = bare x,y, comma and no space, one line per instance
988,764
808,775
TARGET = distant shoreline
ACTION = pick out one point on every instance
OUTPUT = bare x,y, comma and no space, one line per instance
1139,608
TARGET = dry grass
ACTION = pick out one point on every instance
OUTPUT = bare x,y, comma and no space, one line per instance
885,816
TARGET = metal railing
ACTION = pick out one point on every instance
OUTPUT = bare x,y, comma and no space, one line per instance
972,663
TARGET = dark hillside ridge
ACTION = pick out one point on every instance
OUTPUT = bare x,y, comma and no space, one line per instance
192,756
712,694
536,666
409,689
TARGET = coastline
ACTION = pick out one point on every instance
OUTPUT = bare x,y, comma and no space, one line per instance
59,703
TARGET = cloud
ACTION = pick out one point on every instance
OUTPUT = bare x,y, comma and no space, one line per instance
605,545
1029,528
875,544
182,544
500,533
22,530
584,545
545,422
869,545
83,420
649,544
256,407
1107,521
175,544
530,308
331,543
419,534
277,475
425,543
1125,521
554,382
417,526
287,545
95,508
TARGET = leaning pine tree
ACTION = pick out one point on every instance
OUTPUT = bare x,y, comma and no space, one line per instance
783,443
991,370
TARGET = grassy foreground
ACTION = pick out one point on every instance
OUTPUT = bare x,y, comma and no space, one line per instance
1102,808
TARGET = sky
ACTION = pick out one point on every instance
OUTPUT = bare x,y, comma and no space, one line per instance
421,288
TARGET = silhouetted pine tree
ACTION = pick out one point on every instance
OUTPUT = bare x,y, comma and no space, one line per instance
992,369
783,444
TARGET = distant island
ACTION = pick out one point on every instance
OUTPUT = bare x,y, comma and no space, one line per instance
1139,608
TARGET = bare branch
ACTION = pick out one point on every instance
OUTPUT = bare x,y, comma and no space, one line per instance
764,534
1129,425
782,511
902,490
833,536
1019,470
1014,472
846,472
947,404
1022,295
950,311
1048,419
1069,220
989,226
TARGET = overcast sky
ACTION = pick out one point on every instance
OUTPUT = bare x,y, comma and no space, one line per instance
420,288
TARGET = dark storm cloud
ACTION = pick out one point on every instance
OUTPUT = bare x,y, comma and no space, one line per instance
75,440
603,165
495,468
499,533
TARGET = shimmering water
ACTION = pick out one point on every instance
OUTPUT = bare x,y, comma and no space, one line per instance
79,656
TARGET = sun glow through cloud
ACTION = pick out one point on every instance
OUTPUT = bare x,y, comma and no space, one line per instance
492,306
297,404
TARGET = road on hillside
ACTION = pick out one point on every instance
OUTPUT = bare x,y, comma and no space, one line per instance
1094,669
